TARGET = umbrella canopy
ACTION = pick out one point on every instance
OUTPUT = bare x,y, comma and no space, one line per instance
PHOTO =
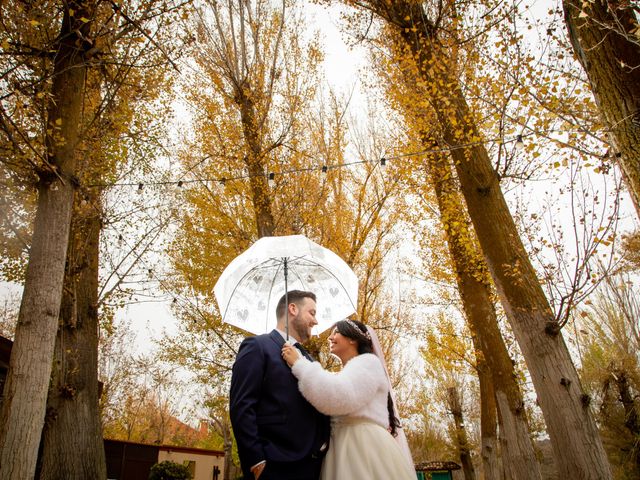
249,288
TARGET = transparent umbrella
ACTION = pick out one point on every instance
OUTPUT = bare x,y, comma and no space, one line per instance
249,288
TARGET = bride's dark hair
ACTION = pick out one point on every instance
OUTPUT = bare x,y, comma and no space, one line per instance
357,331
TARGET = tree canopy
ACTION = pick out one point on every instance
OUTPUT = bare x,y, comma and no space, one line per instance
479,176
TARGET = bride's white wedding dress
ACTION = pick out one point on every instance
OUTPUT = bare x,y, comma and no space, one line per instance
356,399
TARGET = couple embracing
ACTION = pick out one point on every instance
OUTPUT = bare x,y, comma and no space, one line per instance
293,420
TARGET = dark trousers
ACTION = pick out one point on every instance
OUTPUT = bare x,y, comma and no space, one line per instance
305,469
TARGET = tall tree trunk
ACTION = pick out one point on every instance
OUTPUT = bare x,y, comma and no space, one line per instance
576,442
473,281
462,441
25,392
227,447
629,403
577,445
604,37
72,444
518,456
488,424
254,161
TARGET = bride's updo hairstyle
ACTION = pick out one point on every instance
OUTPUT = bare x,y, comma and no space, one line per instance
357,331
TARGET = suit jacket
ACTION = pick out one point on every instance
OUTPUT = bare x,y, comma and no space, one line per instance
271,419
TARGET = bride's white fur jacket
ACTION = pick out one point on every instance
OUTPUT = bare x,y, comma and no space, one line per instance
358,390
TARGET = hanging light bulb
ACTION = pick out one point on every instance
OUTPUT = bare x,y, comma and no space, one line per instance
223,181
140,187
272,179
324,169
383,161
180,183
519,142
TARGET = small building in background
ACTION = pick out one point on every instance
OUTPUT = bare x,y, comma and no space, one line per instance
203,464
133,461
436,470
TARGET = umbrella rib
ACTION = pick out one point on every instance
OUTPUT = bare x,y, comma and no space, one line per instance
273,281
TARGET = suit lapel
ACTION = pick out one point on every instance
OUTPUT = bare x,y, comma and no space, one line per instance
276,337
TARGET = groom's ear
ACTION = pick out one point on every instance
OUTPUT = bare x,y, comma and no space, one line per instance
293,309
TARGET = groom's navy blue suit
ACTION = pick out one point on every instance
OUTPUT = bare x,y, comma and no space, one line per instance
271,420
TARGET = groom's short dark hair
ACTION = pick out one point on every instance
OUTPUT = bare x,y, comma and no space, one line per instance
295,296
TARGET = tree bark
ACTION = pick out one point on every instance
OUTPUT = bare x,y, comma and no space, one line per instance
629,403
462,441
604,38
72,444
518,456
25,392
257,175
576,442
488,425
227,446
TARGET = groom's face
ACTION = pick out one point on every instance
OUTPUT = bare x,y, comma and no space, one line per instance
304,320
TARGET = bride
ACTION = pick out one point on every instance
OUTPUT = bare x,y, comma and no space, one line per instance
358,398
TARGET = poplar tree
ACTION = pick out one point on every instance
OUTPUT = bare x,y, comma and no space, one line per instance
56,119
25,392
574,435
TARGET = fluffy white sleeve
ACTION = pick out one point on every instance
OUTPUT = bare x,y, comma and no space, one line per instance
344,392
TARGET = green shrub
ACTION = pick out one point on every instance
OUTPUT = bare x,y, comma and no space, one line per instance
168,470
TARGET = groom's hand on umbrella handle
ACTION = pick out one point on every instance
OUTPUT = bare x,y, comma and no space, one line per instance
290,354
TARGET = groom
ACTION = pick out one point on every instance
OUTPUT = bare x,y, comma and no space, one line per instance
280,436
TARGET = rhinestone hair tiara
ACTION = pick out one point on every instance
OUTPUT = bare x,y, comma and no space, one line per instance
366,334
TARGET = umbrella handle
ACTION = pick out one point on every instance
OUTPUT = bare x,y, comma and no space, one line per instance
286,299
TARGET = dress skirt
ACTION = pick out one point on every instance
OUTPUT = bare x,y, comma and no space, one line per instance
363,450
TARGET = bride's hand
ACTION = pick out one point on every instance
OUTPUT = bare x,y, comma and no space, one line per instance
290,354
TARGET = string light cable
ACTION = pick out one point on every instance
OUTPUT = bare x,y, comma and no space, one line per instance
518,142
